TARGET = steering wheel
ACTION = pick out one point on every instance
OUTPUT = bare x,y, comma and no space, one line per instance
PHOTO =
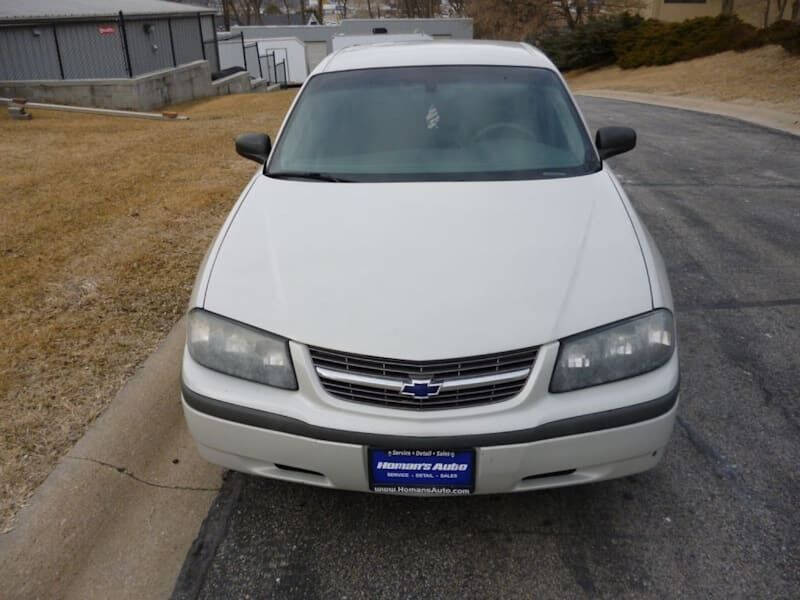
482,133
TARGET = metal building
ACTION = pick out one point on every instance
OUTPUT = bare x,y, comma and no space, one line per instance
100,39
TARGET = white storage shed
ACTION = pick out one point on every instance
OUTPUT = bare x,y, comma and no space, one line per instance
345,41
289,49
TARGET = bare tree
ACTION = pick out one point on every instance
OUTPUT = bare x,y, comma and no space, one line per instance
253,10
796,11
576,12
420,8
226,14
565,8
246,12
509,19
781,4
458,7
523,19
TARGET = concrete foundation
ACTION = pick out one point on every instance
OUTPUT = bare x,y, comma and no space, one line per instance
143,93
238,83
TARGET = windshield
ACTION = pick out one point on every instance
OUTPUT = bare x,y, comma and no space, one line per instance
438,123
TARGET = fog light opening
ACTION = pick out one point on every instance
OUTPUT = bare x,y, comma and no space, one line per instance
298,470
553,474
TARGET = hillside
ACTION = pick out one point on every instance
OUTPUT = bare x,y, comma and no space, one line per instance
767,78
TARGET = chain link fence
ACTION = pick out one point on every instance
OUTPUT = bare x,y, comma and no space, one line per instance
232,52
235,52
116,48
269,59
280,72
274,72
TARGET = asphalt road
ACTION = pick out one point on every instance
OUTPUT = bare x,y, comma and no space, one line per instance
720,517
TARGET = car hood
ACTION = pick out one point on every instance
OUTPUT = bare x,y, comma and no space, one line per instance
429,270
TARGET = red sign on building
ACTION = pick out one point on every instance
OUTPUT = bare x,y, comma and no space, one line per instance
107,29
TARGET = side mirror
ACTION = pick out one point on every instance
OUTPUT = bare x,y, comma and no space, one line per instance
611,141
255,146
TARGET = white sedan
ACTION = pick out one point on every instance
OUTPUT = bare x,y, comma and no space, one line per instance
433,285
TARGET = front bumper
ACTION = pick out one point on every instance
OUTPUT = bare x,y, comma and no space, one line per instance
533,441
568,460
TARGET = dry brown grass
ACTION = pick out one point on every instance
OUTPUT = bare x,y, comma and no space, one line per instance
768,76
104,222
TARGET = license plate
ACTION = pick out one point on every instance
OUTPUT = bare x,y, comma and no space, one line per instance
422,472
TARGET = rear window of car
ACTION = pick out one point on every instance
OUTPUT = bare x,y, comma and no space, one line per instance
435,123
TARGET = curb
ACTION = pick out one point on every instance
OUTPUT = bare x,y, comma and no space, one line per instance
757,115
190,580
118,513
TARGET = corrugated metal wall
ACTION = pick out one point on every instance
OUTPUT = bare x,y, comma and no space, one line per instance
91,50
148,44
95,50
186,36
28,53
212,55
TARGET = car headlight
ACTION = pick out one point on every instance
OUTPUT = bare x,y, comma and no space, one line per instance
614,352
240,350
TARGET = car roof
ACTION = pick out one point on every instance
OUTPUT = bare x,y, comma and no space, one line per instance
438,52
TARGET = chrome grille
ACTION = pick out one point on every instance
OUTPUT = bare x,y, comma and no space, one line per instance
460,382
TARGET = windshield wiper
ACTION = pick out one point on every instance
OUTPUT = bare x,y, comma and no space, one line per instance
307,175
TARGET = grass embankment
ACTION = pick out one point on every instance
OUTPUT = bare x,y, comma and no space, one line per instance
103,224
768,77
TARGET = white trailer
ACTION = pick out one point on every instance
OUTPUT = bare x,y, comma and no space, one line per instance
288,49
344,41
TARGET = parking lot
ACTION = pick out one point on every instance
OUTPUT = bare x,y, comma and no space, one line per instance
718,518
